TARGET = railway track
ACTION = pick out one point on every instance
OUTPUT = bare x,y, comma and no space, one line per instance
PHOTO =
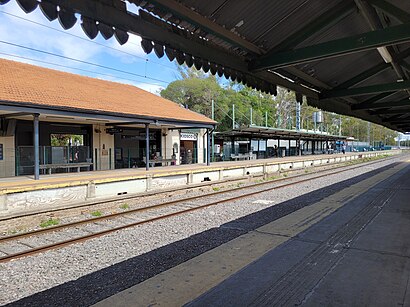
34,242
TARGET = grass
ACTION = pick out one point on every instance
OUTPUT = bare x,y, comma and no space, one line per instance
216,189
49,222
125,206
285,175
96,213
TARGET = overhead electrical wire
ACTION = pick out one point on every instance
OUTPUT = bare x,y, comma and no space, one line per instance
81,61
74,68
89,41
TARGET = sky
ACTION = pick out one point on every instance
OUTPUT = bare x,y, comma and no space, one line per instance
128,63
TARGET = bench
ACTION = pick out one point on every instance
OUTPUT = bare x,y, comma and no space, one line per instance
152,162
243,157
49,167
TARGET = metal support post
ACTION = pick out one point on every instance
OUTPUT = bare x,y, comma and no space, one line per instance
298,147
213,137
208,151
251,117
340,125
233,116
266,119
297,116
289,148
147,146
36,142
257,155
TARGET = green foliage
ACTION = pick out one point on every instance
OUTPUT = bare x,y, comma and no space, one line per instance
125,206
195,90
49,222
96,213
216,189
65,139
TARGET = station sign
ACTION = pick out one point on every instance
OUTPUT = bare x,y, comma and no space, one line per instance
187,136
113,130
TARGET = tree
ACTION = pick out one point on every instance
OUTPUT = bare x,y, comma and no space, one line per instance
195,90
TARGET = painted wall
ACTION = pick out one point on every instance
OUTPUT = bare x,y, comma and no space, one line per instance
103,148
170,139
7,164
173,137
201,146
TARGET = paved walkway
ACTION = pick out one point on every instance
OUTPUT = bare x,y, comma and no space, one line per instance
349,249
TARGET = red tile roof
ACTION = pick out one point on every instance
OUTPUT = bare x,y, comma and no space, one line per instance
43,87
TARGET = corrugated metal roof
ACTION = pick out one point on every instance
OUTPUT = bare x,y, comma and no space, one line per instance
266,132
241,32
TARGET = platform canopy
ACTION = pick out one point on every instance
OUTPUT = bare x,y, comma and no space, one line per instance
275,133
345,56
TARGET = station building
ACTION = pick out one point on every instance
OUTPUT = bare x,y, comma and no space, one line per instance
79,123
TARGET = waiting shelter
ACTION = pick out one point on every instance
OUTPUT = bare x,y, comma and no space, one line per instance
256,142
53,121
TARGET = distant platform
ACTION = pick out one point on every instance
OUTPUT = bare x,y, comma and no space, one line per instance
23,195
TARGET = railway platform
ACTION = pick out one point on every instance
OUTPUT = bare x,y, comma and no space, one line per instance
349,249
23,195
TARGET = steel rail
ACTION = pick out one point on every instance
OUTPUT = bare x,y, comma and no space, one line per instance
60,244
336,165
114,215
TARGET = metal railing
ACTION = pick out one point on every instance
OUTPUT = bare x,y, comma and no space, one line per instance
50,155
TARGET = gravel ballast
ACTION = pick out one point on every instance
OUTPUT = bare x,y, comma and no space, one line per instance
83,274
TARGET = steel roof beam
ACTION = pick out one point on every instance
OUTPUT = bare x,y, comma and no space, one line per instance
204,23
371,72
323,22
391,10
381,105
405,65
394,118
159,31
391,111
344,109
398,122
405,125
373,20
365,90
378,97
343,46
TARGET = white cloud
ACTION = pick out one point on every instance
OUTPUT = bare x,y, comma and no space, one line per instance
28,34
133,47
50,37
152,88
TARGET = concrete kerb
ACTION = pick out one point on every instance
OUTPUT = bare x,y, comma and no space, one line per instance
9,201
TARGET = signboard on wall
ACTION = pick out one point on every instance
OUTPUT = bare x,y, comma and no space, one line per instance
114,130
187,136
1,151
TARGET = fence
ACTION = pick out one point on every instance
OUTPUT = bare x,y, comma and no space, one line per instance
50,155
